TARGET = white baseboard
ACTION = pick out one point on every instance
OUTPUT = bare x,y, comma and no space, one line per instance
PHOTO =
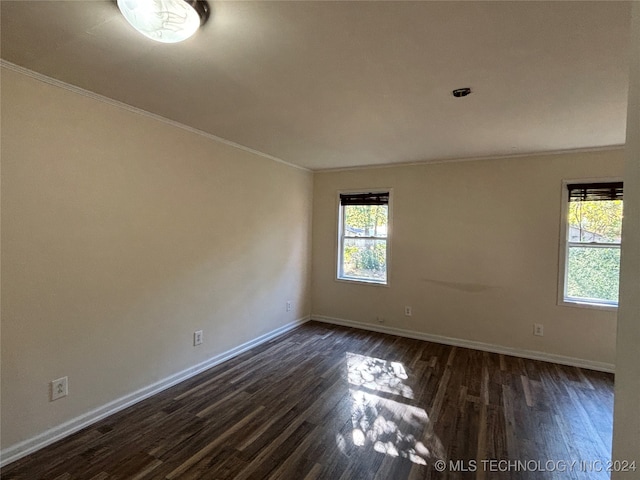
19,450
459,342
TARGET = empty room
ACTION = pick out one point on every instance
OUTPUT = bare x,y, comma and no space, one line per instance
319,240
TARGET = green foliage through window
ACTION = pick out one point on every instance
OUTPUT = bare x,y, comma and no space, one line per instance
593,256
599,221
364,243
593,273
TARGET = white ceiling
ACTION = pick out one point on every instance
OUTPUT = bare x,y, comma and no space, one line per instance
340,84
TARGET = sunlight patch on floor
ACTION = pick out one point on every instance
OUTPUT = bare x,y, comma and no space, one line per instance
388,426
377,374
382,417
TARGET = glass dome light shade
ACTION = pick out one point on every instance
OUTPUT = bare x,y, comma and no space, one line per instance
167,21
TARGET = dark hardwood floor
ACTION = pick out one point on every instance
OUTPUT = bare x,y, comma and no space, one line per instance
327,402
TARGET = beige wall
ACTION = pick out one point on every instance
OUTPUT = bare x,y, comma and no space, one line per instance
474,252
121,236
626,428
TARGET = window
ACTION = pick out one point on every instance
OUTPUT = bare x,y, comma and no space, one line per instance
364,226
592,254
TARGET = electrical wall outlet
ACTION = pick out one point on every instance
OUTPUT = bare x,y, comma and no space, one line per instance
407,311
380,319
538,329
59,388
197,338
289,306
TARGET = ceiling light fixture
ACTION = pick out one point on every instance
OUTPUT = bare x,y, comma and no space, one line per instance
167,21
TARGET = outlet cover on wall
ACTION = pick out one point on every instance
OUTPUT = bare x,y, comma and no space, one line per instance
538,329
197,338
59,388
289,306
407,311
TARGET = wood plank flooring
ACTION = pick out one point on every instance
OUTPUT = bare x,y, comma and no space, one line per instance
327,402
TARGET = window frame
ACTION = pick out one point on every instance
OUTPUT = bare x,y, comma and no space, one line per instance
340,237
564,244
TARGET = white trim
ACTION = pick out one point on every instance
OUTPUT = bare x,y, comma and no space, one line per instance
459,342
568,151
339,237
577,303
563,251
126,106
594,245
21,449
130,108
362,281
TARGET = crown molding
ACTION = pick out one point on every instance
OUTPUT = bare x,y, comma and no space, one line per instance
125,106
604,148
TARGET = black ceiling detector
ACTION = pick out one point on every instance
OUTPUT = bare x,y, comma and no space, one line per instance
461,92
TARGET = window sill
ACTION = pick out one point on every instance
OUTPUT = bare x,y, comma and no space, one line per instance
591,305
362,281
